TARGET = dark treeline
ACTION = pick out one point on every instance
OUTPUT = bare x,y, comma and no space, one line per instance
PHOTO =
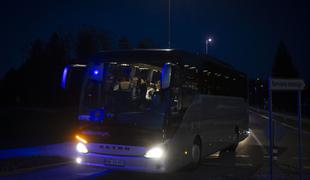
37,81
283,101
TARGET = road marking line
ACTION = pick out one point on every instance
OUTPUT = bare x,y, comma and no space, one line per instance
211,164
298,158
242,156
236,164
275,157
244,164
237,156
266,156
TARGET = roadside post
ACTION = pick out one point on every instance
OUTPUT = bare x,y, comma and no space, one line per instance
285,85
270,128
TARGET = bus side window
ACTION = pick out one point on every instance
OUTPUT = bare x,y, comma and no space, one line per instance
176,91
204,81
189,84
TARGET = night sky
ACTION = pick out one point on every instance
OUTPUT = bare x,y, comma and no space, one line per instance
246,33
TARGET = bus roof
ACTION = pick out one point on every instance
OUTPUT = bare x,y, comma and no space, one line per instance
158,57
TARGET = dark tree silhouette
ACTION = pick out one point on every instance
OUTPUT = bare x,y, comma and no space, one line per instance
56,59
31,74
283,67
8,88
104,40
39,77
55,50
147,43
123,43
86,44
68,42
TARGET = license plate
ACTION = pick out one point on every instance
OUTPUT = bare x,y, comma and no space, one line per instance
114,162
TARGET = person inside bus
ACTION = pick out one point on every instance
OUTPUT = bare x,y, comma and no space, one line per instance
124,84
150,91
116,85
133,85
157,86
142,87
141,91
109,82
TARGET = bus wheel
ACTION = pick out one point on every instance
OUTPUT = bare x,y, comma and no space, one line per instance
234,146
195,154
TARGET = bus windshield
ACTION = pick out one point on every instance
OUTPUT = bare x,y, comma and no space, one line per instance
127,95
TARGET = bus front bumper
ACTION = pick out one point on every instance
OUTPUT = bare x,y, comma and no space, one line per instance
131,163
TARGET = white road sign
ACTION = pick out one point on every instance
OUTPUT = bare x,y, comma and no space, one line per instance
287,84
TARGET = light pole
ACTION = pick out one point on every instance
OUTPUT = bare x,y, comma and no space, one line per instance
208,41
169,24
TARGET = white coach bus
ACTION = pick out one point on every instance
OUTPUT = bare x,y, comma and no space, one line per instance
159,110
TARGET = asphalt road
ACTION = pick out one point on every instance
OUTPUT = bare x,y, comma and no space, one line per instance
250,161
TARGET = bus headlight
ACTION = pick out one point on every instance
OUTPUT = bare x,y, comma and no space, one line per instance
81,148
156,153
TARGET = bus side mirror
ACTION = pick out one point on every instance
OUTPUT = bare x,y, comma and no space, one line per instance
166,76
66,73
64,77
95,72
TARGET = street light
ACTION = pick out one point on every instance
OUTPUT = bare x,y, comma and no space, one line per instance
208,41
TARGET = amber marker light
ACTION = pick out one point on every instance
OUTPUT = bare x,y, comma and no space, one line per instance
81,139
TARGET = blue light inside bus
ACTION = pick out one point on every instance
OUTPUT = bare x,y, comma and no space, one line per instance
64,77
95,73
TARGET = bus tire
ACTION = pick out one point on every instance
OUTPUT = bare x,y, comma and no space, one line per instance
195,154
234,146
